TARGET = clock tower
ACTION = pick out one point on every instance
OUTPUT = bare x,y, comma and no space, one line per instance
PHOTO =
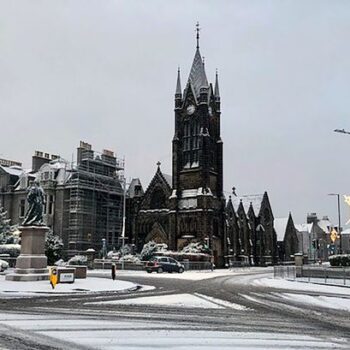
197,144
197,181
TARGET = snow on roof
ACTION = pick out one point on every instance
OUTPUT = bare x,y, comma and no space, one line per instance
12,170
346,232
280,225
325,225
188,203
189,193
304,227
255,200
56,164
63,176
194,192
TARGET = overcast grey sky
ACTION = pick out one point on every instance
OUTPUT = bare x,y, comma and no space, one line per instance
105,72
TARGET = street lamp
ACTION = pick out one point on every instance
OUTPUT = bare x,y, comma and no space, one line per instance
339,225
124,219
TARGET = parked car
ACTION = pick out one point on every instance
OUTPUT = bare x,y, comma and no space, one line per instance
3,265
161,264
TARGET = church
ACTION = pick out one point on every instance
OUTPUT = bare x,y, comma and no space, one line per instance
190,205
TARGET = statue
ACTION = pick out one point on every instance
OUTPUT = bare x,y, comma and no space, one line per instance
36,200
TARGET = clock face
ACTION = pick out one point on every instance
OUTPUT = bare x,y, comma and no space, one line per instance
190,109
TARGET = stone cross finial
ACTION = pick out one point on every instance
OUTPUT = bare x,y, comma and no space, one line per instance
197,30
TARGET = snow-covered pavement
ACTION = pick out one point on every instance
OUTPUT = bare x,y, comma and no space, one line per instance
91,284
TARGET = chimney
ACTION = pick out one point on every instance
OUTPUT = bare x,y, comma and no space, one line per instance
38,160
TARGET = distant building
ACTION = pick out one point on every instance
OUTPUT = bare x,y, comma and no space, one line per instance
315,235
345,241
83,200
9,163
287,238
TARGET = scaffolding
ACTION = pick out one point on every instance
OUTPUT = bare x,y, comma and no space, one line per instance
95,201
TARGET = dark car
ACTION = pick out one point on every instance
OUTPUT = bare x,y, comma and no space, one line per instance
164,264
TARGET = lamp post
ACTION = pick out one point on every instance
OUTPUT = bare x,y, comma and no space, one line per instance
124,219
339,225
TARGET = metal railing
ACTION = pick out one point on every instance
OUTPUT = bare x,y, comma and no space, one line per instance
286,272
314,274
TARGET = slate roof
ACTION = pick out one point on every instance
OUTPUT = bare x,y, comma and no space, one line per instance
168,179
197,77
216,91
133,184
178,83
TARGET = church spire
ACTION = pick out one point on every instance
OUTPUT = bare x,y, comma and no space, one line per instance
216,90
197,76
178,83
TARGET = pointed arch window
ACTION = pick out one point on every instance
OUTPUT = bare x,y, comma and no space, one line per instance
191,143
158,199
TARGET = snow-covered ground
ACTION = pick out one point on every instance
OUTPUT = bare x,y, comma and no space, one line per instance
299,286
194,275
131,335
90,284
322,301
179,300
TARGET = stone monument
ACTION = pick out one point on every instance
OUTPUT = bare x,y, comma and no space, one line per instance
31,264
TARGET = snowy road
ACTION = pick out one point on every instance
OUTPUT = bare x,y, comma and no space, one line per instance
243,310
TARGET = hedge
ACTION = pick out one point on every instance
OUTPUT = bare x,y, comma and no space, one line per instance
340,260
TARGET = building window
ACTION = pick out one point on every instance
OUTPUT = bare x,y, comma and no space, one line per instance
50,204
45,204
22,207
158,200
191,144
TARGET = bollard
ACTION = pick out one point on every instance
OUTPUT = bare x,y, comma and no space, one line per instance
113,271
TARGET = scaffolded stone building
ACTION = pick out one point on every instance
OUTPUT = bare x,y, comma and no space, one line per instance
84,200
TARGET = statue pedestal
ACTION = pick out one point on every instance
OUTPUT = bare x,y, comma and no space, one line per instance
31,265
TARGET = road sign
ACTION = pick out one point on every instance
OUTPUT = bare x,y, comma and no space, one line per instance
53,277
334,235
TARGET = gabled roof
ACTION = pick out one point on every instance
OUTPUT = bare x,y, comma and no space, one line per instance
280,226
254,200
159,177
133,184
168,179
325,225
12,170
197,77
304,227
